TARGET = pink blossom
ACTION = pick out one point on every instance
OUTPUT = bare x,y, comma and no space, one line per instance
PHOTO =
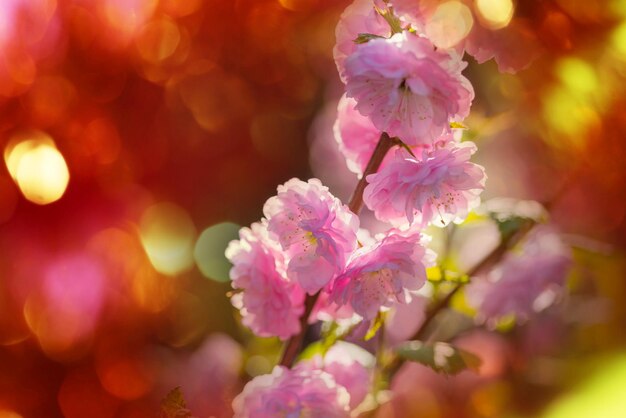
408,88
523,282
383,274
270,305
358,18
350,366
355,134
299,392
513,47
314,228
442,183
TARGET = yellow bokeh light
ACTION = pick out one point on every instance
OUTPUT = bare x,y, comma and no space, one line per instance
578,76
600,395
495,14
450,24
37,167
209,250
618,40
168,235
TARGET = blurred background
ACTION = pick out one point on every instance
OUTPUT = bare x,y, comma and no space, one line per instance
138,135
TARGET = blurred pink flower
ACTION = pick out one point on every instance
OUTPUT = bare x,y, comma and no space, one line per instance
442,184
270,305
523,282
358,18
405,320
299,392
383,274
513,47
408,88
355,134
314,228
350,366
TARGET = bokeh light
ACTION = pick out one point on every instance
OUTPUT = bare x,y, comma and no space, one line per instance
209,250
64,312
496,14
38,168
450,24
157,127
168,235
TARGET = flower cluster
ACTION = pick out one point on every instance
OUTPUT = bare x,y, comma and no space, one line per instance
308,259
308,245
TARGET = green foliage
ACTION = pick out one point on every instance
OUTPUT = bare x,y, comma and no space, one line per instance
441,357
438,274
365,37
378,322
509,225
174,406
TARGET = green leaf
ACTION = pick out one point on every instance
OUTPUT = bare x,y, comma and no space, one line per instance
378,322
366,37
509,225
174,406
441,357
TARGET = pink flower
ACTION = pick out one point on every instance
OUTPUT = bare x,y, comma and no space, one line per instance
442,184
459,24
270,305
299,392
383,274
350,366
358,18
408,88
523,282
314,228
356,135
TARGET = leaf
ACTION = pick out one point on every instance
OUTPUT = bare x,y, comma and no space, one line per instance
174,406
441,357
378,322
509,225
366,37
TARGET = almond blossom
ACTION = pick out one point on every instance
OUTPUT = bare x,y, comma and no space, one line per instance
299,392
351,367
270,305
316,231
355,134
523,282
441,184
383,274
408,88
358,18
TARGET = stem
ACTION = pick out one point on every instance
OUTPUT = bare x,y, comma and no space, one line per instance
293,345
384,144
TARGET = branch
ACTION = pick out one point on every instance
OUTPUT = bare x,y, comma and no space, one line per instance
490,259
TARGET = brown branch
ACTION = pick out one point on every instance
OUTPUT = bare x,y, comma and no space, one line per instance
293,345
490,259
